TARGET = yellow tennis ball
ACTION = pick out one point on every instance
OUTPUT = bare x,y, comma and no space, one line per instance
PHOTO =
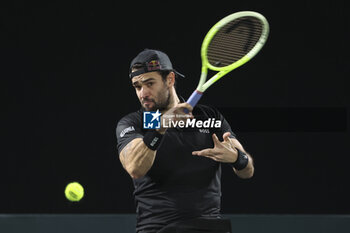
74,191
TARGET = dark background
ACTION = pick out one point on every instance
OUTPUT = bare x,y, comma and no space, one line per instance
64,69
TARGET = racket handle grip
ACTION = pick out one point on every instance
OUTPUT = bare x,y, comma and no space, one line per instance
193,100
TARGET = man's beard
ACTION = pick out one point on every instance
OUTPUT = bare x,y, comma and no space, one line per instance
162,104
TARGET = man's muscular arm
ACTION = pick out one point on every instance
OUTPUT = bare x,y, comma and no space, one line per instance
137,158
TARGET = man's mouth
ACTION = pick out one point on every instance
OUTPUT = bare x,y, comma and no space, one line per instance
147,102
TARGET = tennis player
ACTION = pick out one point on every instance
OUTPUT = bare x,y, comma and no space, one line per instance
176,171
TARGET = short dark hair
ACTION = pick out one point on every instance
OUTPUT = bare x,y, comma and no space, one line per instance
164,74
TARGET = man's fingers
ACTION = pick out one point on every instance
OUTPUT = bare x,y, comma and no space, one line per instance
205,152
226,136
216,140
209,153
185,105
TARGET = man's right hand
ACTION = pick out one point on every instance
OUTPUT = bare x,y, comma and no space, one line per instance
176,114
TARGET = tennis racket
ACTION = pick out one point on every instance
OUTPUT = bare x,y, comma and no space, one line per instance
230,43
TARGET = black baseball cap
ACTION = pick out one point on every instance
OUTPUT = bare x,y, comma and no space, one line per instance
152,60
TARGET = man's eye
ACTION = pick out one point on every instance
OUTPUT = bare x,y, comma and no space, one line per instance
149,84
137,87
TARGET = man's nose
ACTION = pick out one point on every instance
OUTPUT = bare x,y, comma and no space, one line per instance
144,93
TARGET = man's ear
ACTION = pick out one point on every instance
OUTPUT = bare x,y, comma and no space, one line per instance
171,79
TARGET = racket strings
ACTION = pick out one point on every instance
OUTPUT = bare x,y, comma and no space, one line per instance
234,40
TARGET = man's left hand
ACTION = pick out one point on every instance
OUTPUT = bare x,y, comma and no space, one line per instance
224,152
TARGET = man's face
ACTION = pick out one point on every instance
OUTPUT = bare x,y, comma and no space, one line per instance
152,92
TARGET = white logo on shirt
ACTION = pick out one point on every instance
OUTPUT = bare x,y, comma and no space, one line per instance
127,130
204,131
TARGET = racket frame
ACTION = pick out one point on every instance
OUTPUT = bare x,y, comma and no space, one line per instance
203,84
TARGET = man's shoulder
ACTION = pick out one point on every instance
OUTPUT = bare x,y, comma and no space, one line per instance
207,110
205,107
133,117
